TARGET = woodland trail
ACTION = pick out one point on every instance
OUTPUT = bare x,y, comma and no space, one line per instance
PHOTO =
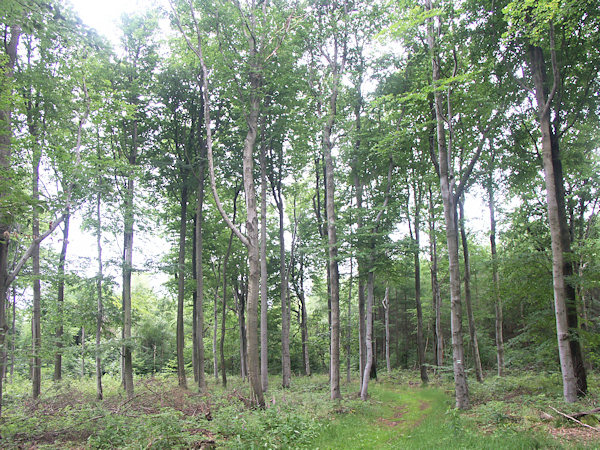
418,418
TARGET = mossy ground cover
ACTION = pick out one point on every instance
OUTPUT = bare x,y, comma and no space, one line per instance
400,413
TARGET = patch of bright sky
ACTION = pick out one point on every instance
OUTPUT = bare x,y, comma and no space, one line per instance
104,16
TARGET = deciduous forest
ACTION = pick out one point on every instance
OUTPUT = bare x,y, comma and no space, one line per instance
301,224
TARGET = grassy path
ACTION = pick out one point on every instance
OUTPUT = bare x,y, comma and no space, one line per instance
419,418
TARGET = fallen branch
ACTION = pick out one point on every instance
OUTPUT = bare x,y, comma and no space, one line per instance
575,420
585,413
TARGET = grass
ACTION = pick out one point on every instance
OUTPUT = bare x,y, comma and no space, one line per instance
399,414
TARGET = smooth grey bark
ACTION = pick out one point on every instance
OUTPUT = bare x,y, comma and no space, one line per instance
224,304
36,332
128,216
417,197
496,282
181,288
448,197
468,299
60,299
99,301
560,246
386,317
216,325
349,325
199,319
286,371
264,355
368,337
333,252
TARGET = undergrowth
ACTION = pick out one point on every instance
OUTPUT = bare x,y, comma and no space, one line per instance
507,412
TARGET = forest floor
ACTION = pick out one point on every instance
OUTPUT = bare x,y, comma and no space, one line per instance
510,412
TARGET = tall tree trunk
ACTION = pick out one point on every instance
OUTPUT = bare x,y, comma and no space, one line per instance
36,338
194,305
449,201
60,299
216,327
127,270
99,302
199,319
468,303
83,351
286,371
253,244
333,252
362,348
496,282
264,356
386,316
349,326
417,262
560,246
7,65
181,287
435,287
224,310
368,337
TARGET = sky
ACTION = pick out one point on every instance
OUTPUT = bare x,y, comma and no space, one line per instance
105,15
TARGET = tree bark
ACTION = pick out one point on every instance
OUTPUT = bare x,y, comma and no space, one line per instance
264,355
449,201
127,271
496,282
368,337
417,263
60,299
36,338
349,326
199,319
99,301
333,251
386,316
181,288
559,248
468,303
6,85
286,371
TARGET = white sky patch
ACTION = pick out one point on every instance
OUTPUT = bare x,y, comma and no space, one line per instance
105,16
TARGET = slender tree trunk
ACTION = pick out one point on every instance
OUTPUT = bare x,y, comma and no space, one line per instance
333,252
181,288
264,356
386,316
369,337
36,337
286,372
82,351
570,388
60,300
99,304
199,319
13,334
362,348
215,329
417,261
349,326
195,305
435,287
468,303
6,69
224,310
447,189
127,270
496,282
